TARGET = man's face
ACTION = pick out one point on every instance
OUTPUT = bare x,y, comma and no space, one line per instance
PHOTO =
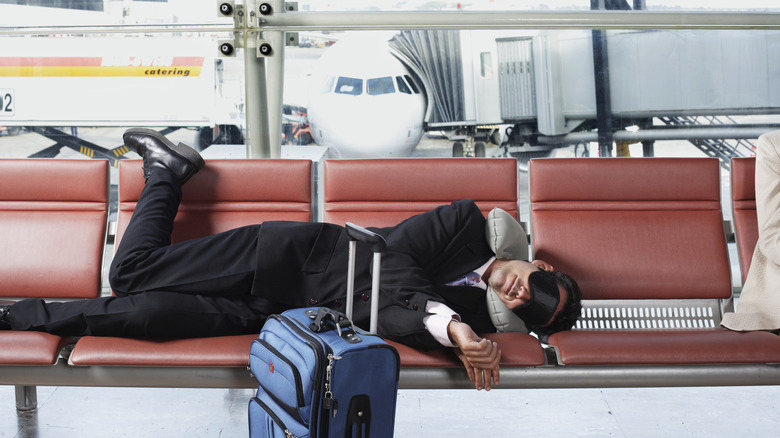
509,280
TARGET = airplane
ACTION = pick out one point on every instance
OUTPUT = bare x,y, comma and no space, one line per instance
364,102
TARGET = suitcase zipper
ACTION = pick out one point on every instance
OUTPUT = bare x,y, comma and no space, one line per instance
296,373
274,417
329,402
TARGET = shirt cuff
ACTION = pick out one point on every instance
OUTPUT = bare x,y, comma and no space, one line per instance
437,322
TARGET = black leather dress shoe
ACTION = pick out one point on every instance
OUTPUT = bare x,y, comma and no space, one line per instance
158,151
4,323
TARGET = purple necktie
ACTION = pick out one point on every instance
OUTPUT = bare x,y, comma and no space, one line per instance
470,279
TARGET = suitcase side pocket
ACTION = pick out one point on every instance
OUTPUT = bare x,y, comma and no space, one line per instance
285,377
304,351
265,422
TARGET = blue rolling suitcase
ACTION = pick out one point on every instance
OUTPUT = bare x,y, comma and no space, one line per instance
319,376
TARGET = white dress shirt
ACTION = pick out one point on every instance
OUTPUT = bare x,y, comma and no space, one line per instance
437,323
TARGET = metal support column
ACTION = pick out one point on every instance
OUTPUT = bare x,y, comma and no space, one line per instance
603,95
264,80
648,146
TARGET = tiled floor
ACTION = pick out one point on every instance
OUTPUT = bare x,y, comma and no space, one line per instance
66,412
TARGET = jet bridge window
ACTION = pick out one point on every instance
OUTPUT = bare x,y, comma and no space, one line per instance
402,87
351,86
378,86
486,65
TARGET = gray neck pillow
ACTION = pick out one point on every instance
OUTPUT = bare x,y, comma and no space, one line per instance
508,240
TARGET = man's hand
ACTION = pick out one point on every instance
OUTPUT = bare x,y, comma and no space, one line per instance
479,356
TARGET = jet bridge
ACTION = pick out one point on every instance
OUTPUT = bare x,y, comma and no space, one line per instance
540,86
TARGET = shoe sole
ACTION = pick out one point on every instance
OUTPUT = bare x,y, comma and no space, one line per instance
180,149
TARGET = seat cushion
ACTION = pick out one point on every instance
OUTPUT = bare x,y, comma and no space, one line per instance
666,347
517,350
30,348
221,351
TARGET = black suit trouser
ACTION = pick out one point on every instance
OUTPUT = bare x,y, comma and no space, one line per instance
199,287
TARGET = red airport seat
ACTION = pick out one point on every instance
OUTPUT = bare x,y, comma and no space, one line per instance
227,194
643,237
743,204
517,350
383,192
53,221
224,195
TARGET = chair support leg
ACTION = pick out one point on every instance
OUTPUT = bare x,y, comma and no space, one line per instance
26,398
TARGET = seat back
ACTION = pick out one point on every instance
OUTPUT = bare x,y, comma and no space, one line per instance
227,194
53,220
384,192
743,204
635,229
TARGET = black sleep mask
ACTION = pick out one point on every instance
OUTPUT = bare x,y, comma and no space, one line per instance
545,297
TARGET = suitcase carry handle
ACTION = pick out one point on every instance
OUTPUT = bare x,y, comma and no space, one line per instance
324,315
378,246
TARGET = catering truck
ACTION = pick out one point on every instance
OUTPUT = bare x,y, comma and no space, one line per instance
47,82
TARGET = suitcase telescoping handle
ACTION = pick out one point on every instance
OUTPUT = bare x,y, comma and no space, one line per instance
378,246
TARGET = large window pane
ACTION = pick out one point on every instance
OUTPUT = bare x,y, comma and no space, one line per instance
522,93
574,5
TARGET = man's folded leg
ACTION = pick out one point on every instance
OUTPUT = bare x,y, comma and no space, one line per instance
148,314
219,264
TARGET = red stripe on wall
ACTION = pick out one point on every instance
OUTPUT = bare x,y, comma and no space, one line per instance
50,61
188,61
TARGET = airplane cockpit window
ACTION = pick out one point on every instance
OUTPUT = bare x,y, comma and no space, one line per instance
412,84
351,86
327,85
379,86
402,87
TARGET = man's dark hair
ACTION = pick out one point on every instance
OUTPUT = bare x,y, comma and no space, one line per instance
571,310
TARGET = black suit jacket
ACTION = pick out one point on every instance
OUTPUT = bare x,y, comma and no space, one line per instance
305,264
